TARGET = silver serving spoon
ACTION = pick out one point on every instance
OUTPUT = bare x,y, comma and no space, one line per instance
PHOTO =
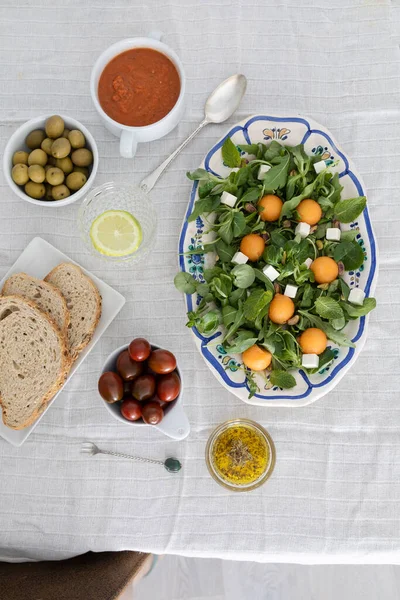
220,105
171,464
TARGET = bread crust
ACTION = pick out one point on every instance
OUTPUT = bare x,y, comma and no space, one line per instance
76,351
53,288
66,363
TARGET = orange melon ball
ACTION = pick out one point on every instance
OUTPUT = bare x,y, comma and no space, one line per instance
271,207
313,341
252,245
281,309
325,269
309,211
256,358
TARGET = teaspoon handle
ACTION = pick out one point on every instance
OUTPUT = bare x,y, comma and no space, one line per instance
149,182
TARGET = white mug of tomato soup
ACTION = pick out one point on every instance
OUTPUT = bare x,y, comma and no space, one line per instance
137,86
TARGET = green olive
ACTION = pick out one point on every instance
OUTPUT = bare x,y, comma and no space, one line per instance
49,192
54,176
77,139
36,173
82,170
65,164
20,158
35,138
35,190
20,174
46,145
60,148
66,133
54,127
60,191
75,181
82,157
37,157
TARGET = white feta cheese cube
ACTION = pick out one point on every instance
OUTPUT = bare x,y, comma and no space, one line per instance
262,170
239,258
357,296
319,166
235,169
270,272
333,234
310,361
302,229
308,262
291,290
228,199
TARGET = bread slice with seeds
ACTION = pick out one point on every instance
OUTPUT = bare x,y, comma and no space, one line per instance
48,298
83,302
34,361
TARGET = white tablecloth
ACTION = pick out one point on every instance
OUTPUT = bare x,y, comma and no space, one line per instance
334,495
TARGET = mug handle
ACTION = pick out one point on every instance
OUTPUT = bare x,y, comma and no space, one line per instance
175,424
127,144
156,35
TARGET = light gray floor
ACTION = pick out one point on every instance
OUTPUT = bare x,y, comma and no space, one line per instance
179,578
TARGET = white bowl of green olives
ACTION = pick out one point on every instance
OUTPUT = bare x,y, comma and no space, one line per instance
51,161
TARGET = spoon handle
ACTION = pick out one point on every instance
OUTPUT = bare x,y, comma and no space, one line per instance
149,182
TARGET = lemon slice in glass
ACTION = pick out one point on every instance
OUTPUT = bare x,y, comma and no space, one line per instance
116,233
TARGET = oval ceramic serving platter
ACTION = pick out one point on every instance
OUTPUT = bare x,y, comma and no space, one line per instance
227,368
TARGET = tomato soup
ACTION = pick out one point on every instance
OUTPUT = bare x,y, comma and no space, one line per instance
139,87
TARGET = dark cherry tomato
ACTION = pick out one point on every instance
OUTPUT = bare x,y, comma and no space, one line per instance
168,387
143,387
162,361
139,349
152,413
128,369
131,409
111,387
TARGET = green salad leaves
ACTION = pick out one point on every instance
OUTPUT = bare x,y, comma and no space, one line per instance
235,298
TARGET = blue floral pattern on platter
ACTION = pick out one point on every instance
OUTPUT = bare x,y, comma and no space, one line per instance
228,368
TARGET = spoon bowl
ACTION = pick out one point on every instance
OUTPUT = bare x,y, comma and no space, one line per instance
225,99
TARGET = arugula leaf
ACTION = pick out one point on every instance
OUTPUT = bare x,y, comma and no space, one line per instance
251,195
308,296
359,311
261,277
206,188
250,148
289,206
204,206
276,177
350,253
221,286
236,296
324,359
348,210
244,340
273,151
203,289
244,276
328,308
251,383
345,289
209,274
207,324
202,175
224,251
282,379
348,236
185,282
238,223
273,255
255,303
225,227
278,239
228,315
301,159
230,154
242,176
238,322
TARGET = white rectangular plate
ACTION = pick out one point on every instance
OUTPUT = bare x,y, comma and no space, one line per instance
37,260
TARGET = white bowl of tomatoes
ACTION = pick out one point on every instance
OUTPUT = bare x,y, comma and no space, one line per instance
141,384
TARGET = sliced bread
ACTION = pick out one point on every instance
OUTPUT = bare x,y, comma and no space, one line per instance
34,361
83,302
48,298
